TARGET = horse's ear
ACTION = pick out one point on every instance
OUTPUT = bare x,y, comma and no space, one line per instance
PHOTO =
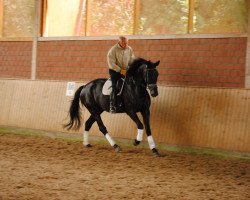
157,63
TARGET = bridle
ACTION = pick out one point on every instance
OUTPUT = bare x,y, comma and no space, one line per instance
147,78
150,86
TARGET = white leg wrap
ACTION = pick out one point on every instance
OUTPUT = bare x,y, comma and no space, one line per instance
109,138
139,135
85,138
151,142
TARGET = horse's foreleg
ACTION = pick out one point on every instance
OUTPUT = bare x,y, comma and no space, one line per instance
146,120
88,125
139,136
103,129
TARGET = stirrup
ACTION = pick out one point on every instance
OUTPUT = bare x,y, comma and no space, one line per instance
112,109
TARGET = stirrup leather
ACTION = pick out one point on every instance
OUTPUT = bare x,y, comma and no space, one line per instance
112,108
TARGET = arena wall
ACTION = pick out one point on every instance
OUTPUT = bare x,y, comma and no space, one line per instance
196,116
203,100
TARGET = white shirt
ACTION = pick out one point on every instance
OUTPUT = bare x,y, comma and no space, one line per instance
119,58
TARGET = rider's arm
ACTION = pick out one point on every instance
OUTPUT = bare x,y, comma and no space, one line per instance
132,56
112,61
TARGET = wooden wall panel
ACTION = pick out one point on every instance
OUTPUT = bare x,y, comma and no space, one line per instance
204,117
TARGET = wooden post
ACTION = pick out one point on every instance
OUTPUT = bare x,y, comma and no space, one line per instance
79,18
1,18
43,21
247,76
87,24
190,16
37,25
137,5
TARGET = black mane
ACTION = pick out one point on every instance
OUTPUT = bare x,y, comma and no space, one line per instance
135,65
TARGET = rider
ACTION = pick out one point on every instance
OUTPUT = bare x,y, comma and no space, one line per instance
119,57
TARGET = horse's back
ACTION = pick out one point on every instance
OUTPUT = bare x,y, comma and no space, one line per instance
97,81
94,84
91,94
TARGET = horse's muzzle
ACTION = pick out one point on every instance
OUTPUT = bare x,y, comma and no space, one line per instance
153,90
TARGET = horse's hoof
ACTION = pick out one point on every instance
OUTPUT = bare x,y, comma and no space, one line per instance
156,153
136,142
117,148
88,146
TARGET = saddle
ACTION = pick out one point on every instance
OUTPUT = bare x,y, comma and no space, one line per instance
107,87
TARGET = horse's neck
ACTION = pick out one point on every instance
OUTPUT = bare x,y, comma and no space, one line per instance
138,83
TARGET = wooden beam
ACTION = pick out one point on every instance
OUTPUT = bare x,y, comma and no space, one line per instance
87,24
247,75
37,19
1,18
43,21
78,22
190,16
137,9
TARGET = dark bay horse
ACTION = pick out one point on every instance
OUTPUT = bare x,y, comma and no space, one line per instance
141,75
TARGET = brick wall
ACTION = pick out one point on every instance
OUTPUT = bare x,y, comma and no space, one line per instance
218,62
72,60
15,59
198,62
215,62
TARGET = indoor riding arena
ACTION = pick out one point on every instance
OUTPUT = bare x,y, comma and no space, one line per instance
192,142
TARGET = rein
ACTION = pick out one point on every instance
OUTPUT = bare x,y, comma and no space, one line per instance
152,85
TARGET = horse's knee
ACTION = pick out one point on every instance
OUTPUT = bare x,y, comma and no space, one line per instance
140,126
103,129
88,124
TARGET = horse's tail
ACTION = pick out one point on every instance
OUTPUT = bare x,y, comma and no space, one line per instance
74,112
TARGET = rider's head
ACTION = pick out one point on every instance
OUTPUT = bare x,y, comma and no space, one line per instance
123,42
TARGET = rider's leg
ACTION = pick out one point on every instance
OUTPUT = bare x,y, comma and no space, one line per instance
114,78
113,100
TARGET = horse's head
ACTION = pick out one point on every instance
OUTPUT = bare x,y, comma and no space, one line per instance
146,72
150,76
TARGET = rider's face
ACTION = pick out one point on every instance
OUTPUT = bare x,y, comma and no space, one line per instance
123,43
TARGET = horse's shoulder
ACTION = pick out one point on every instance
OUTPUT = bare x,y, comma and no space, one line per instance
98,80
101,80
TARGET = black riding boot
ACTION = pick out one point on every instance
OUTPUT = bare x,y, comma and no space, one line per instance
112,102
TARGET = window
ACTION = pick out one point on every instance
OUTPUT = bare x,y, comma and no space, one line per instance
162,17
220,16
123,17
110,17
17,18
61,17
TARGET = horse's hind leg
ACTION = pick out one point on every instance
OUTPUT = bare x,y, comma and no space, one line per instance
88,125
103,129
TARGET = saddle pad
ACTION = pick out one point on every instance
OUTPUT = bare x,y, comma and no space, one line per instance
107,87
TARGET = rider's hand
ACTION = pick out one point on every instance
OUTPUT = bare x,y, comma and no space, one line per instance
123,72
